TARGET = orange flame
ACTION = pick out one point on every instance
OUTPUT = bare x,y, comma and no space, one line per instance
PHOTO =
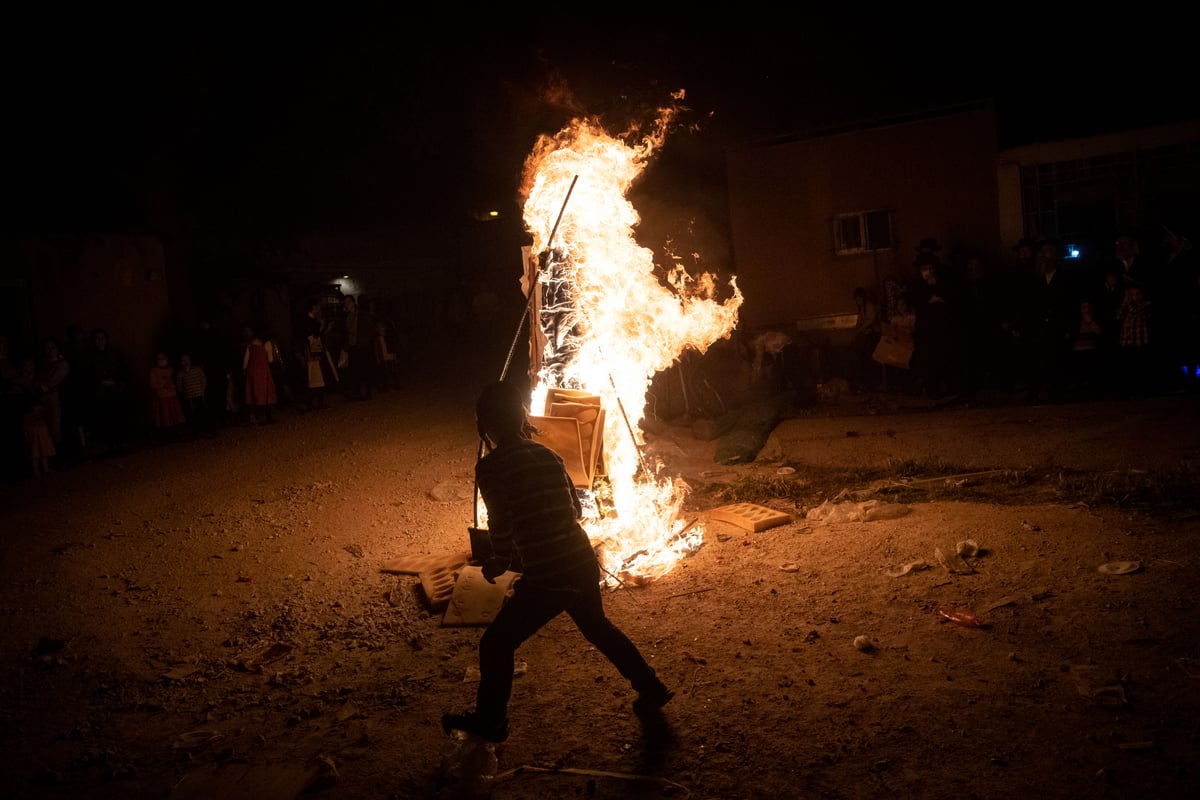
624,324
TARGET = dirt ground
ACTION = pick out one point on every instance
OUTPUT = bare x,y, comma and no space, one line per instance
211,618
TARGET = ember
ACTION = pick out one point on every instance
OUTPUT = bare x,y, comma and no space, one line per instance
606,320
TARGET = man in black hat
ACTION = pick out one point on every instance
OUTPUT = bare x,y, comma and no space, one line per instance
1052,306
926,252
533,513
1024,252
927,246
1013,288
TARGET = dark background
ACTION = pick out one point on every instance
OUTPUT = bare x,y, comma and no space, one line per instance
218,120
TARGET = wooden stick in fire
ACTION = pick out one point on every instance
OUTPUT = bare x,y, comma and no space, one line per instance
629,427
529,302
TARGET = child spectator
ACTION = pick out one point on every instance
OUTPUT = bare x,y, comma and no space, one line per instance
52,373
316,357
192,383
167,411
1134,319
37,435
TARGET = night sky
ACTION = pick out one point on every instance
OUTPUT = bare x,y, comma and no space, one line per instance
267,124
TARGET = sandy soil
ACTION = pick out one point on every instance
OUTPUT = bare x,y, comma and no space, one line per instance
211,618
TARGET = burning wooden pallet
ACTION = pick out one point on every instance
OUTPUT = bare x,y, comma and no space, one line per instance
572,425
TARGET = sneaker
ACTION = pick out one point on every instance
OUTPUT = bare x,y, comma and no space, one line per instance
471,723
651,700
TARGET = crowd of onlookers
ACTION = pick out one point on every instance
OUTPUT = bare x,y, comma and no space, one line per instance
78,399
1048,326
1045,326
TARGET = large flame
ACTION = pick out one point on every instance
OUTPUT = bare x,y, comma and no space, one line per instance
624,322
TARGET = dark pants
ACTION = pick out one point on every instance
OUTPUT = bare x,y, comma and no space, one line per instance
359,369
525,613
198,415
110,413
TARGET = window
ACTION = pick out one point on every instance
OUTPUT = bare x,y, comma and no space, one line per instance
862,232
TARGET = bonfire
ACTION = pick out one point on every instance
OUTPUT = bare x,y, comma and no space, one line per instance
605,319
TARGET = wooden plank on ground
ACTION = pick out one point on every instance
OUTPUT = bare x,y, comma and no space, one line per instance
418,563
750,516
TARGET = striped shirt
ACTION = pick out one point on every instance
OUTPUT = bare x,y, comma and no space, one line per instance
191,382
532,508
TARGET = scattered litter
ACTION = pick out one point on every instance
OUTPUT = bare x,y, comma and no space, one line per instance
450,491
397,595
1120,567
963,618
1040,593
954,564
256,659
959,480
910,567
864,644
786,471
866,511
968,548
